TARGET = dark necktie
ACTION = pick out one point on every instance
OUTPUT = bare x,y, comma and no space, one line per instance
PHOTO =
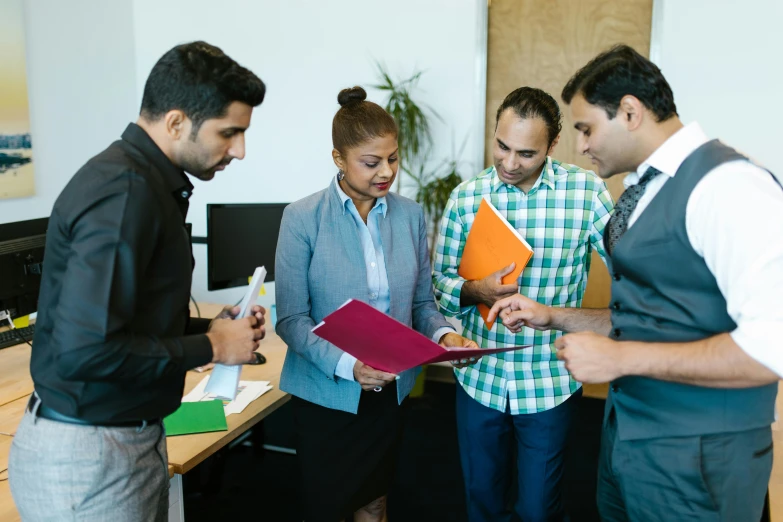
618,224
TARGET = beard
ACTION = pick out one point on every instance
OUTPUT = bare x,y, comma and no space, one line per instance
200,167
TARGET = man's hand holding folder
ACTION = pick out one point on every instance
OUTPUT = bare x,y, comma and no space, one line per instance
387,345
493,258
455,341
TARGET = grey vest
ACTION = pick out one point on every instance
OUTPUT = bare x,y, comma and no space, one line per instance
662,291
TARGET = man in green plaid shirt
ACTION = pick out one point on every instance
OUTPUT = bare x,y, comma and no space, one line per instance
521,397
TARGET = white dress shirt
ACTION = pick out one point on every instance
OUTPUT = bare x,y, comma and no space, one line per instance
734,220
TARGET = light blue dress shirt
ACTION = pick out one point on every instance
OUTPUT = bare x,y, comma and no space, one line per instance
377,280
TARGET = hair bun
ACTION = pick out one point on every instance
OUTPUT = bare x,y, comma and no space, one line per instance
352,96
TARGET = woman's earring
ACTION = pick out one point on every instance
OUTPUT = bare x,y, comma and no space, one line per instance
340,175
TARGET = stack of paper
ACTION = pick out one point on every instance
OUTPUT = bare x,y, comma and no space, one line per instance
248,391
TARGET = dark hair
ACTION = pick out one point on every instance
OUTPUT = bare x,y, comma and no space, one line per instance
618,72
201,81
529,102
359,120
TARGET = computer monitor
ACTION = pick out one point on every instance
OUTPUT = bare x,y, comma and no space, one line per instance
240,237
21,263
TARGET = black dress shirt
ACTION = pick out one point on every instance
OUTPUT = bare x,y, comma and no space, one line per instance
110,342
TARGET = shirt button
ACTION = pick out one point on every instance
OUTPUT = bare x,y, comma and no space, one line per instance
615,388
373,296
185,194
372,265
617,332
617,277
616,305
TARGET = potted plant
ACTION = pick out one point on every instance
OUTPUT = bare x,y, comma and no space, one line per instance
433,186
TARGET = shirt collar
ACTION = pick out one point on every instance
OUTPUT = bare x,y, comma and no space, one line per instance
380,203
547,177
668,157
174,178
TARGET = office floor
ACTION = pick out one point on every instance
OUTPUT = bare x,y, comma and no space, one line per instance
263,485
242,484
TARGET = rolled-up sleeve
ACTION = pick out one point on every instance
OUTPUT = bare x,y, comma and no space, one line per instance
740,238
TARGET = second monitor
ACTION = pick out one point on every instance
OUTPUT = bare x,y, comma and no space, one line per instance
240,237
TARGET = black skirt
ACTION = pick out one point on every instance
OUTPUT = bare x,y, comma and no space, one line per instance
346,460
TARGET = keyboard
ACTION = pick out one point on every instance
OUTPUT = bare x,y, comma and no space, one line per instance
12,338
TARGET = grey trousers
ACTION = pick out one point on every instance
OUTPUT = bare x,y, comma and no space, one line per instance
720,477
59,471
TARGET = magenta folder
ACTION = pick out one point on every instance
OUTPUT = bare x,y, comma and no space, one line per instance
384,343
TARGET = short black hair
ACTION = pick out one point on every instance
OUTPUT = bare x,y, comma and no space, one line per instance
618,72
200,80
529,102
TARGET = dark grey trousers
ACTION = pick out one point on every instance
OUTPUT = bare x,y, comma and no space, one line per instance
720,477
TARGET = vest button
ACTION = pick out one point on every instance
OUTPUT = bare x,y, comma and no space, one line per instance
617,277
617,332
616,305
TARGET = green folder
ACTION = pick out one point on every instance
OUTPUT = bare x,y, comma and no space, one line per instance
196,417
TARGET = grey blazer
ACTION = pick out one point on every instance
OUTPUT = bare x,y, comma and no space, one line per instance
320,264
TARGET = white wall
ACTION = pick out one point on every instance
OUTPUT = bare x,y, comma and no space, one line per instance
81,88
88,60
723,61
306,51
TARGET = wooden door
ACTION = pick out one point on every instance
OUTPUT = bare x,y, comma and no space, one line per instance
542,43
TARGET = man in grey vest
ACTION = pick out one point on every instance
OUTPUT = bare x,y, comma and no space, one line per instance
691,339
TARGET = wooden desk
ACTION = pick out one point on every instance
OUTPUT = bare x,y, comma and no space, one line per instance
11,415
185,452
15,380
8,511
5,449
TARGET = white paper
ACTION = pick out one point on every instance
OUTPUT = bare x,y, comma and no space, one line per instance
198,393
225,379
248,392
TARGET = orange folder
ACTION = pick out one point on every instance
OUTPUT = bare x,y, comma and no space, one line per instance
491,245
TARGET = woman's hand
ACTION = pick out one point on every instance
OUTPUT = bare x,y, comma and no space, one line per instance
370,378
453,340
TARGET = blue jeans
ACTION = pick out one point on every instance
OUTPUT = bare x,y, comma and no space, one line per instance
486,443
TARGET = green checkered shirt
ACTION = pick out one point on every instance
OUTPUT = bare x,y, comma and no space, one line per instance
563,218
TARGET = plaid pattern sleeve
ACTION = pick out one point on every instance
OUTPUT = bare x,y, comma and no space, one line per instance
562,217
448,252
603,205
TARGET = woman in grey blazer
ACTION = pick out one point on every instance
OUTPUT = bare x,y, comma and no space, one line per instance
357,240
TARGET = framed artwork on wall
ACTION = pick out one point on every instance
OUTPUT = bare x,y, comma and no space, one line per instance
16,149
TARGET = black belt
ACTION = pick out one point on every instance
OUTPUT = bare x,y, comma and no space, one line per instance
50,414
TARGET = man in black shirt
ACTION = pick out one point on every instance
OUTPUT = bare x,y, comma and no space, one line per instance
112,346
